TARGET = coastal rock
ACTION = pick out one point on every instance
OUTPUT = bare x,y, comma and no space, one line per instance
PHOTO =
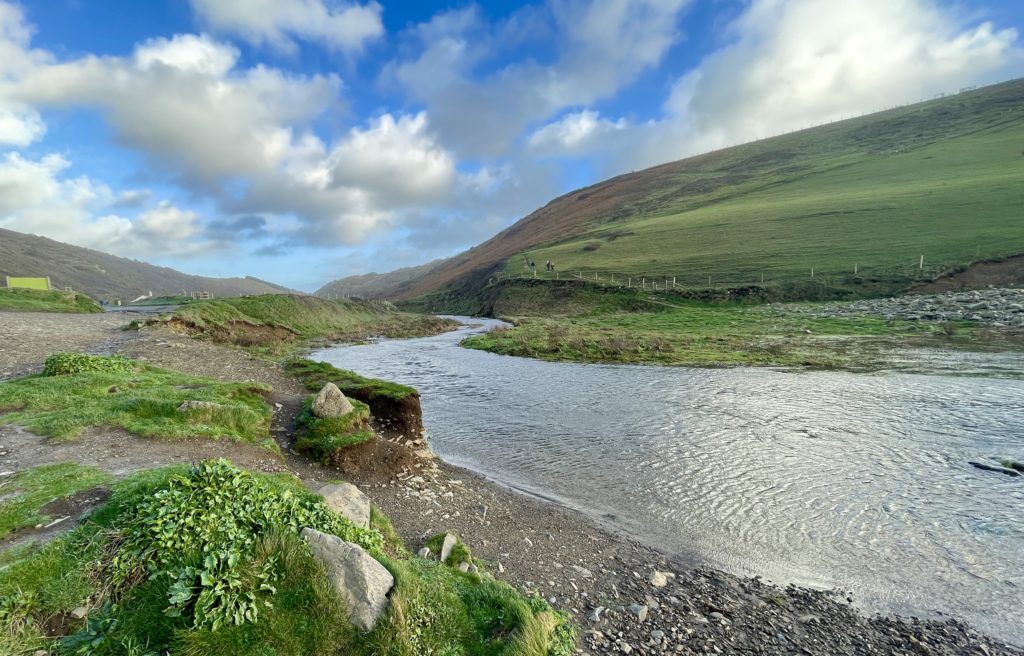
330,402
360,581
639,611
660,579
348,501
198,405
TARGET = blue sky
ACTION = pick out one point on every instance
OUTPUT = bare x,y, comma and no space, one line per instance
305,140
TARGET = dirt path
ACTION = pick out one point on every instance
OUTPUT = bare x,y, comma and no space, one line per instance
602,578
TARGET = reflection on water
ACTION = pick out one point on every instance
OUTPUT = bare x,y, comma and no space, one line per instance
825,478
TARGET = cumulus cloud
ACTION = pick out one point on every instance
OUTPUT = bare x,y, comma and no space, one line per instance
575,132
346,27
37,197
790,63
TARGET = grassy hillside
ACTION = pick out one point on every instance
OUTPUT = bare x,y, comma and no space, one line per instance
32,300
376,285
939,179
275,320
106,276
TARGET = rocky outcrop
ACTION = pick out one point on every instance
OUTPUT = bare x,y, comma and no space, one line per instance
348,501
361,582
330,402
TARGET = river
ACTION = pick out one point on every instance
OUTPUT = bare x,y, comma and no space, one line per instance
826,479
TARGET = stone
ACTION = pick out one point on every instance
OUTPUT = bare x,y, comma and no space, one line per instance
660,579
198,405
464,567
80,613
639,611
330,402
994,468
582,571
595,616
450,540
360,581
348,501
424,552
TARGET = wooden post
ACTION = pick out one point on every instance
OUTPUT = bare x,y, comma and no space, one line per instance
812,272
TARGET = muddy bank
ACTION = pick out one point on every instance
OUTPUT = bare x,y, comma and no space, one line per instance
605,579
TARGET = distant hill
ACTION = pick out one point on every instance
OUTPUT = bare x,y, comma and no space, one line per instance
105,276
939,179
377,285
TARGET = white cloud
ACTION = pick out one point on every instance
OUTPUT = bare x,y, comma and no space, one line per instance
187,52
575,132
19,125
791,63
346,27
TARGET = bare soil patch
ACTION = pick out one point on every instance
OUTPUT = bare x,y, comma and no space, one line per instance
1006,273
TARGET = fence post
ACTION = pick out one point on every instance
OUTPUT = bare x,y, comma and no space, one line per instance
643,283
921,266
629,284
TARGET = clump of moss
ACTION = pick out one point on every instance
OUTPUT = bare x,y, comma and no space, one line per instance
323,437
460,551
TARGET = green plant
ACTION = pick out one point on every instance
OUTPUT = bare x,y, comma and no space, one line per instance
63,364
200,531
323,437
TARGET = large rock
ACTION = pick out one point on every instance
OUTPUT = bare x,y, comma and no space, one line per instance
348,501
450,540
330,402
361,581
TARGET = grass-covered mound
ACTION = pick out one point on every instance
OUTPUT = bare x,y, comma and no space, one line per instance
323,438
35,300
208,561
27,493
274,320
76,391
686,332
396,408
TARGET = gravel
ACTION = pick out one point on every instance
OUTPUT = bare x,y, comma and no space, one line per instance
990,307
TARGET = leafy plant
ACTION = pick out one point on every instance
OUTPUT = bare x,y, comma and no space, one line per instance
60,364
201,530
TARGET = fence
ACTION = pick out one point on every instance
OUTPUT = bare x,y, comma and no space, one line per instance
918,270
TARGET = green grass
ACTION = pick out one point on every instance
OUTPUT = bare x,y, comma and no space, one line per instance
322,438
433,609
315,375
33,300
25,493
698,334
940,179
144,401
273,321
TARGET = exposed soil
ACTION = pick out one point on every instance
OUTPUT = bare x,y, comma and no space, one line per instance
599,576
981,275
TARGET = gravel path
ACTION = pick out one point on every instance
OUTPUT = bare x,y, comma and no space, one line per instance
608,582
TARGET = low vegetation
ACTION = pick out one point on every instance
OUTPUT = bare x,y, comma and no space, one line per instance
684,332
273,322
323,437
76,391
315,375
26,493
208,561
34,300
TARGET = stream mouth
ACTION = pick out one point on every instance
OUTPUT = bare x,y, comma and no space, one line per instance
826,479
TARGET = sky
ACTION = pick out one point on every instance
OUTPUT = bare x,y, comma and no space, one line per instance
302,141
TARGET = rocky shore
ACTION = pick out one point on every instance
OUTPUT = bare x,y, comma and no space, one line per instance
989,307
626,598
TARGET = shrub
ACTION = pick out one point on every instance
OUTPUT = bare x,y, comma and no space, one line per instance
61,364
199,534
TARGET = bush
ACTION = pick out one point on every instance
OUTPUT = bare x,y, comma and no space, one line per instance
61,364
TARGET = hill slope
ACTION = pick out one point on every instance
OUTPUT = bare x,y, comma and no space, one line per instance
106,276
376,285
939,179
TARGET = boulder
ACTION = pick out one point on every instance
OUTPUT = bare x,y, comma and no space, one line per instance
360,581
198,405
348,501
330,402
450,540
660,579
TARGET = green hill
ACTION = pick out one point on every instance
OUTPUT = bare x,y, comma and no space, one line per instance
939,179
105,276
